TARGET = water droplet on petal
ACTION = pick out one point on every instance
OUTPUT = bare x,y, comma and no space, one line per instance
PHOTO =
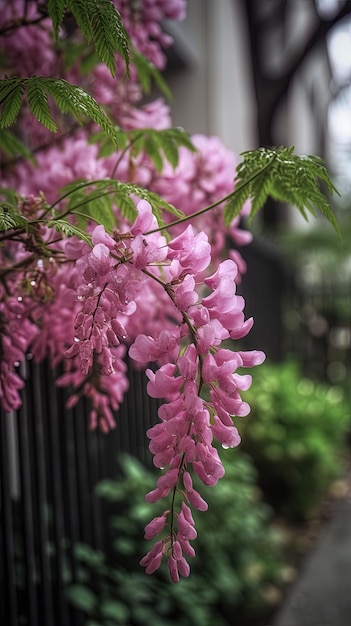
17,364
33,283
225,447
19,299
80,297
29,356
76,339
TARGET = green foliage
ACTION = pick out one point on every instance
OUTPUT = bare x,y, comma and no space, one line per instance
68,229
100,23
296,435
68,98
285,177
10,217
13,147
147,74
157,144
56,10
238,555
97,198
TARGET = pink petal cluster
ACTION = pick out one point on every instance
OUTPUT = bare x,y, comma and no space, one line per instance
189,423
172,300
37,42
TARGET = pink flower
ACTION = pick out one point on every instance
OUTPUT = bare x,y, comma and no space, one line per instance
100,259
192,251
186,528
99,235
162,383
146,348
155,527
152,560
227,435
196,501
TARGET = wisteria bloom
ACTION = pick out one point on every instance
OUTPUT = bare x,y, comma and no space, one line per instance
83,294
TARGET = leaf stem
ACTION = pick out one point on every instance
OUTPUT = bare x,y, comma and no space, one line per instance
239,187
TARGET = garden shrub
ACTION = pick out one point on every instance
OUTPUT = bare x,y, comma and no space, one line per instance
296,434
238,557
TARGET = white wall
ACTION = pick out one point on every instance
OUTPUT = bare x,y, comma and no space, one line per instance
213,92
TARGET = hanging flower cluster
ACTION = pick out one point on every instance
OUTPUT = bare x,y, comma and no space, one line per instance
168,300
189,358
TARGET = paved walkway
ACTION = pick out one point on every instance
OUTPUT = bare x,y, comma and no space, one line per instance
322,593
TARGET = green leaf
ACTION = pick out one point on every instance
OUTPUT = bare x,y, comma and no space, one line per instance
101,24
158,144
12,146
86,554
98,208
120,195
56,10
147,73
126,206
10,218
169,147
82,598
108,147
38,102
115,610
181,137
11,96
11,196
68,229
68,98
76,101
285,177
6,86
152,149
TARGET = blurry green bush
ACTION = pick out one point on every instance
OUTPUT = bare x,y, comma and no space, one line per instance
296,435
235,574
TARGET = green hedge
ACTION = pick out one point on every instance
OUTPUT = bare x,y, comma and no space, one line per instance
296,434
236,572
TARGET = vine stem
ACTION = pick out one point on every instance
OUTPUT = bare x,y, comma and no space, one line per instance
190,326
239,188
124,151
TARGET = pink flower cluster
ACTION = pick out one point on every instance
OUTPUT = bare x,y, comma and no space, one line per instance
35,39
143,23
172,299
193,362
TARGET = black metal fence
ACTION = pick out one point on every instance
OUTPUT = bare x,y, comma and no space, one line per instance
49,465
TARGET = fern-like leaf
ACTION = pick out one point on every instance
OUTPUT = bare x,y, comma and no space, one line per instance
68,98
38,102
10,218
158,144
148,73
11,146
79,196
76,101
95,205
11,95
101,24
56,10
284,176
69,230
126,206
152,149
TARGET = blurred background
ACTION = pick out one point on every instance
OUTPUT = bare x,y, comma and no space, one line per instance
72,501
278,73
